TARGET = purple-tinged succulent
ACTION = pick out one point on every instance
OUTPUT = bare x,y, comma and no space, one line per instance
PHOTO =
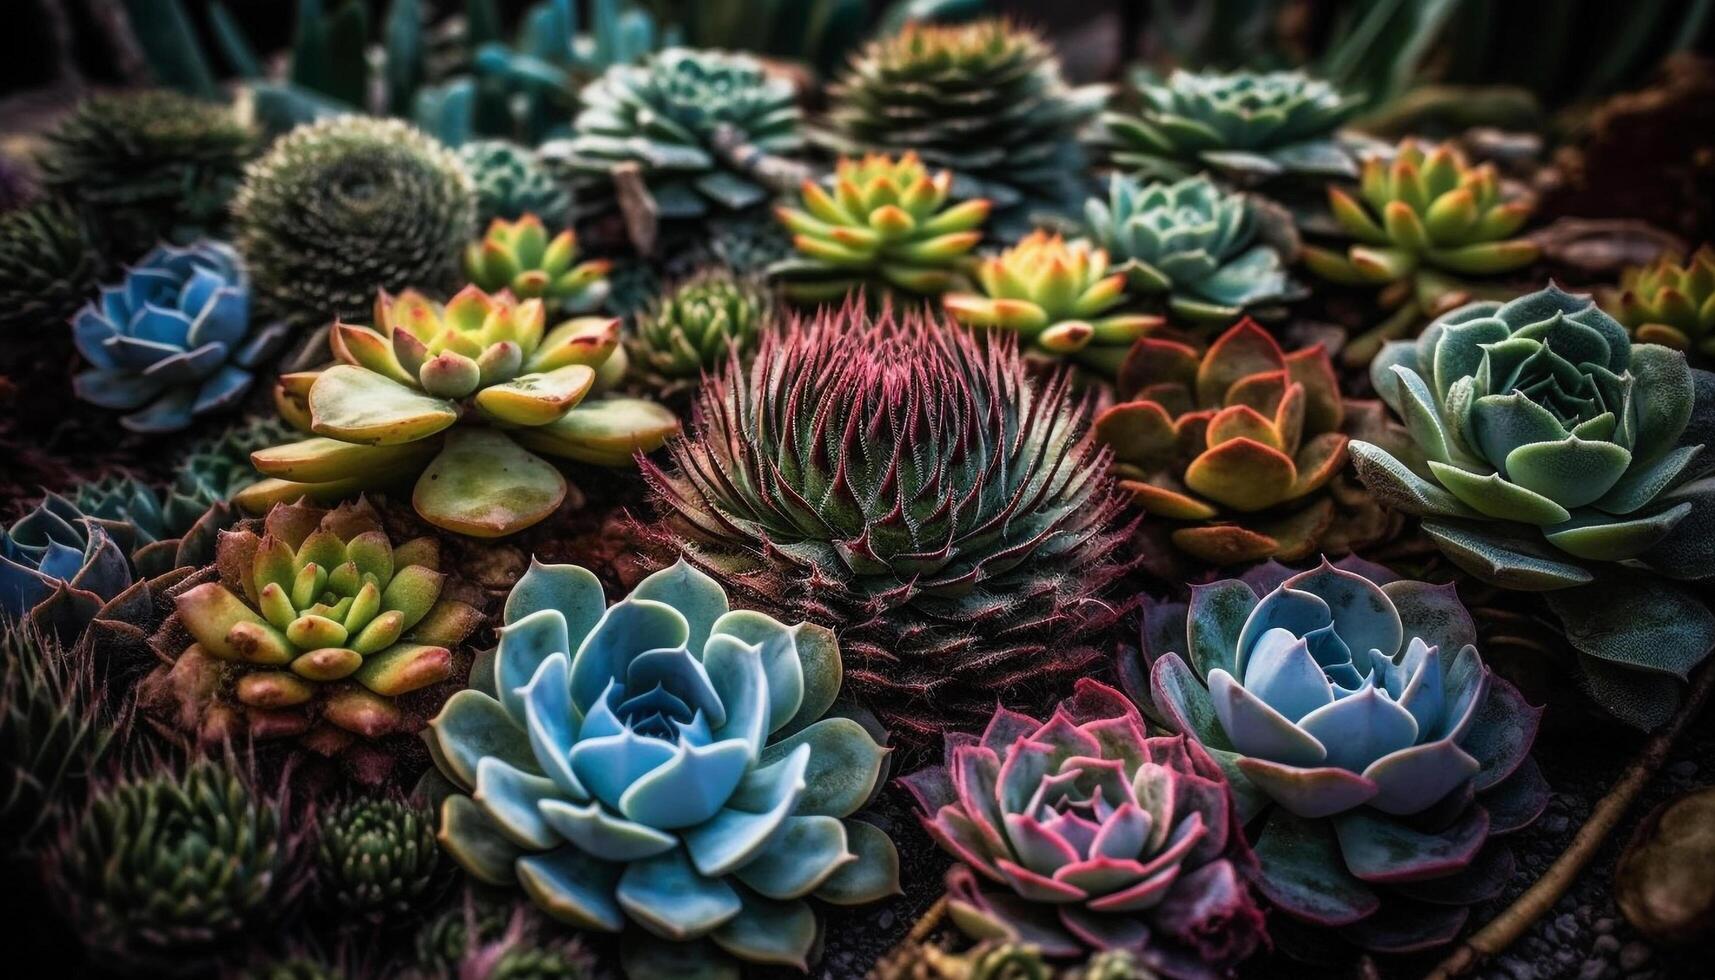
58,566
1369,749
1098,836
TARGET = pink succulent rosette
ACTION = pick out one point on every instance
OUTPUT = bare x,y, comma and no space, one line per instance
1097,835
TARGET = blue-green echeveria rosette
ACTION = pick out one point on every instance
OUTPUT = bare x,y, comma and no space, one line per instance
173,340
59,566
1374,756
663,761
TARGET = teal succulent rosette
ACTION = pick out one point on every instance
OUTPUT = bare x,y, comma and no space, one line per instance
664,761
1375,759
1564,458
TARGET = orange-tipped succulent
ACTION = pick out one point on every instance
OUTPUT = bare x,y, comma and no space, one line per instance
518,256
1234,444
1059,297
885,223
1671,302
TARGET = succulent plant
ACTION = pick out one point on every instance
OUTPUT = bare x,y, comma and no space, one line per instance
146,166
1671,303
1556,448
984,100
315,627
1097,835
893,477
475,941
519,257
1114,964
47,270
886,225
174,340
1245,125
1194,242
166,865
1662,881
17,184
664,761
1059,297
511,183
376,857
1371,751
1424,223
698,324
338,209
458,395
54,730
1236,444
695,123
58,566
748,243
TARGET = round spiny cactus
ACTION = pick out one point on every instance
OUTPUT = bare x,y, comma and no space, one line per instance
336,210
46,272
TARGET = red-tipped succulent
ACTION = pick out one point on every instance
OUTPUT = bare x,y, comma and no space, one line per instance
1086,833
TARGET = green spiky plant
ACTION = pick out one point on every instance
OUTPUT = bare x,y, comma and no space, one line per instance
1671,302
518,256
144,166
480,940
695,326
47,270
376,858
511,182
55,730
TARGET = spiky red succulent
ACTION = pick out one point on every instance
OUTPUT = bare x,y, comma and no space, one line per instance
892,476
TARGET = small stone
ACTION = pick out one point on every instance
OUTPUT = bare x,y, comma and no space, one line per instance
1683,770
1555,824
1566,926
1592,970
1633,956
1604,925
1606,945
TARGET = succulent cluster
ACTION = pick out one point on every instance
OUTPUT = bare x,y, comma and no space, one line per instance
885,225
377,857
458,395
1671,303
984,100
338,209
1356,721
662,761
58,566
1059,297
697,125
511,183
55,730
894,477
47,270
700,323
519,257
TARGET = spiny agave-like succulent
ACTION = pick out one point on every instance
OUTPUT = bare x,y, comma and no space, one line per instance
54,730
47,270
174,340
166,865
1671,303
458,396
1192,241
1060,298
475,941
519,257
694,122
340,208
1424,223
511,183
313,624
142,167
1097,835
1558,447
663,761
1246,125
984,100
886,225
698,324
1373,754
894,477
376,857
59,566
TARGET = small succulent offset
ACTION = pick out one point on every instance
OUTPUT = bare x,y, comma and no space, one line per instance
519,257
482,940
1556,445
696,123
376,858
1364,739
985,100
511,183
1672,303
1249,126
1098,836
313,628
895,477
59,566
174,340
340,208
1192,241
885,225
698,324
1060,299
458,395
1423,222
664,761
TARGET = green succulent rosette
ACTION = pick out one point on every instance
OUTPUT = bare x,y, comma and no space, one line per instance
511,183
1671,302
518,256
1564,458
665,762
697,325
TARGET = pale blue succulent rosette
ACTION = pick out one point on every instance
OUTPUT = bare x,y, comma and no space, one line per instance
1567,459
1376,760
173,340
59,566
664,762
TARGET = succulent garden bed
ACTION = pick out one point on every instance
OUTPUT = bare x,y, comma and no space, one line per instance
570,490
